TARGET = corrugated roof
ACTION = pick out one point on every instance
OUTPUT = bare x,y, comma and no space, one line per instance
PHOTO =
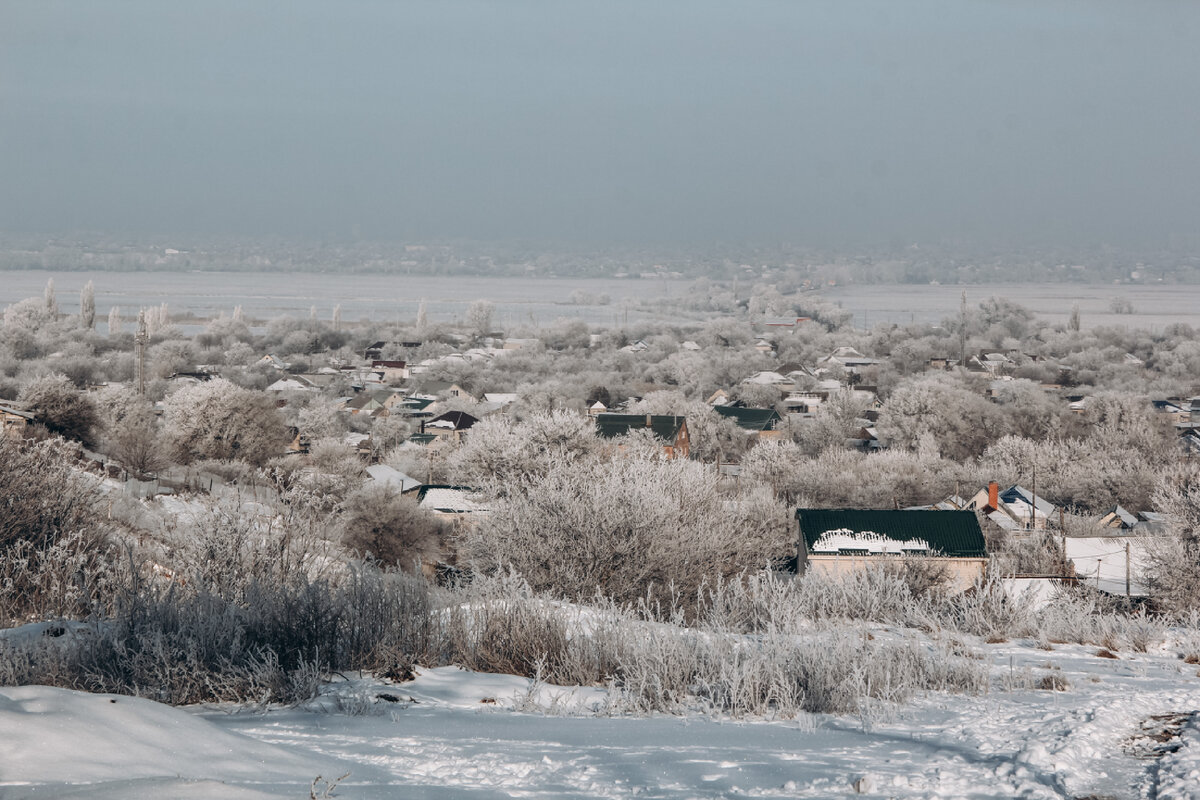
450,499
950,533
19,412
665,427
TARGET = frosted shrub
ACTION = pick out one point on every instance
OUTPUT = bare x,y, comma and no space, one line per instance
988,611
1081,617
498,624
68,578
625,527
834,672
874,594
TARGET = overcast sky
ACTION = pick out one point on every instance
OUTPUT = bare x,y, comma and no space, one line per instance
605,122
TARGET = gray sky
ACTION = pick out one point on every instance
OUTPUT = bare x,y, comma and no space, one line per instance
605,122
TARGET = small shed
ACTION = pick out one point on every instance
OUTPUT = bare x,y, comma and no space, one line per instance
15,420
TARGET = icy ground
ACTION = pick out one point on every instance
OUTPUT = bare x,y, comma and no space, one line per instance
1124,728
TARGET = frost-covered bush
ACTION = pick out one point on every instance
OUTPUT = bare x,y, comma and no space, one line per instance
43,496
623,526
380,522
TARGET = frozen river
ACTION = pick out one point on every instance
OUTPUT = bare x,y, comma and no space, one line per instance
1154,306
263,295
541,301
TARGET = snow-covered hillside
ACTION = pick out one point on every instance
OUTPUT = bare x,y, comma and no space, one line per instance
1121,727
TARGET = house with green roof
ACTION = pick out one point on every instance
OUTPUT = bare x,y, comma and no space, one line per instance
840,541
669,429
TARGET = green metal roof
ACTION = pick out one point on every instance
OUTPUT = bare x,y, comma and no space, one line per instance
752,419
421,438
665,427
950,533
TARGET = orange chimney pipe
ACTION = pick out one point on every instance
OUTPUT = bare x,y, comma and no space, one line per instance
994,495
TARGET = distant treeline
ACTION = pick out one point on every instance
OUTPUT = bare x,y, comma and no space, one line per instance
917,264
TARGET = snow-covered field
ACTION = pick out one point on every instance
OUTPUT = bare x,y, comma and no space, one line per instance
452,733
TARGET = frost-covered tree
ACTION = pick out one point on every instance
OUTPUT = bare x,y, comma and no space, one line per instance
87,306
135,439
835,422
114,321
479,316
29,314
337,317
422,317
1030,410
217,419
62,408
1175,559
50,299
501,451
959,419
321,418
379,521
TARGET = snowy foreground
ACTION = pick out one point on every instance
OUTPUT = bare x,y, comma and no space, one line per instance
1124,728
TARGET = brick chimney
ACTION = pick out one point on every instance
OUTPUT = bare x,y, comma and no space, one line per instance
994,495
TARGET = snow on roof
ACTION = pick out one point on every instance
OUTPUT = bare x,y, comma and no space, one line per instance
1018,496
450,500
874,543
290,385
504,398
1100,562
388,476
1004,521
766,378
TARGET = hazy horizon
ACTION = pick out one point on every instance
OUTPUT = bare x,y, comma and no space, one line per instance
1060,123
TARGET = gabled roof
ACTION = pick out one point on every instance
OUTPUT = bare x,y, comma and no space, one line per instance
294,383
274,360
664,427
1019,494
949,533
7,409
363,401
388,476
767,377
1127,519
751,419
416,403
453,420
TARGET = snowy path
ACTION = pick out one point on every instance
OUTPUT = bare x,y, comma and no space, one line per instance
1023,743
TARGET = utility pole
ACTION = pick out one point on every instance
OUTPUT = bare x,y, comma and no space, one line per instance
1033,505
139,351
1127,570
